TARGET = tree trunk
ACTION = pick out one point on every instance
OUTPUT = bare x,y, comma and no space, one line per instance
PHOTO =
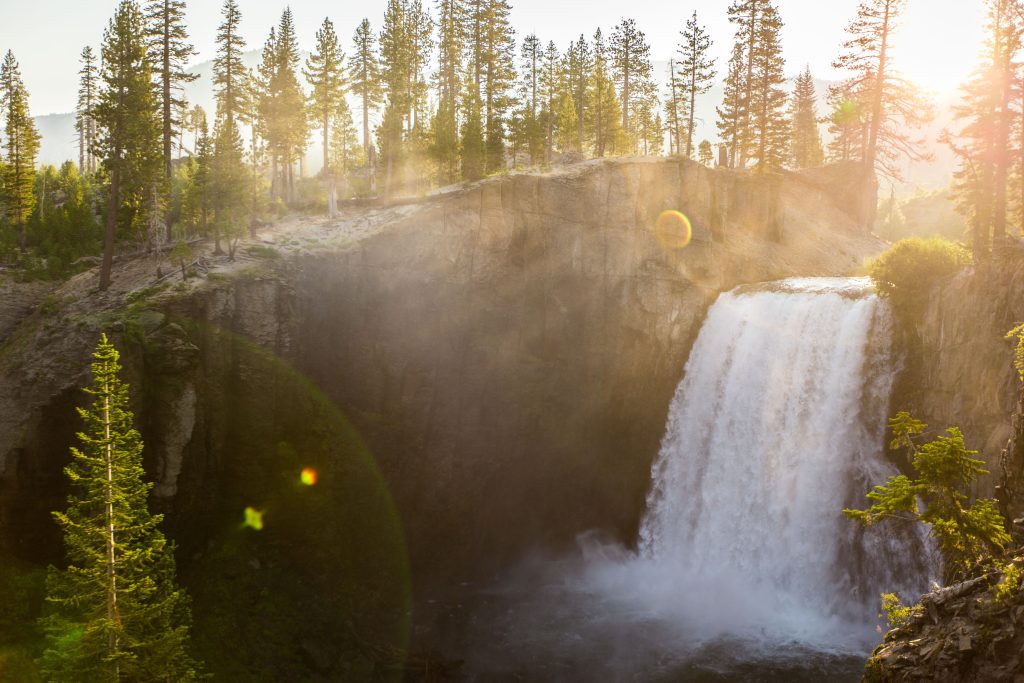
876,105
166,83
108,451
107,263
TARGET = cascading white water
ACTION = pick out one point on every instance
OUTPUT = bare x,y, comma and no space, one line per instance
745,562
778,424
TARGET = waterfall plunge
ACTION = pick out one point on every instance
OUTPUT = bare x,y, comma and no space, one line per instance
745,562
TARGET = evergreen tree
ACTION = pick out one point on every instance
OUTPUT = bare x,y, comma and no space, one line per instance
549,77
325,72
630,65
364,77
531,52
283,121
495,73
604,117
198,200
967,531
578,64
846,125
890,105
473,140
228,176
229,73
769,132
704,153
85,123
732,113
397,75
696,73
345,148
567,126
805,145
117,611
127,116
675,109
451,43
21,147
983,146
169,52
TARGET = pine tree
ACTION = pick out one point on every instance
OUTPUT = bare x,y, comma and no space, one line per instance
983,145
846,125
85,123
397,76
890,105
451,43
675,109
531,52
567,125
769,133
345,149
578,64
198,201
283,121
21,147
630,62
549,77
805,145
169,51
732,113
604,117
473,140
696,73
704,153
126,113
325,72
364,77
496,74
229,73
117,611
228,178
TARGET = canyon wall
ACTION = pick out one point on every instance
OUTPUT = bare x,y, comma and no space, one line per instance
485,375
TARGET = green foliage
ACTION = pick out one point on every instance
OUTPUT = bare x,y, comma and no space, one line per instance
115,611
906,273
1010,583
896,613
181,257
967,532
17,174
1018,353
63,227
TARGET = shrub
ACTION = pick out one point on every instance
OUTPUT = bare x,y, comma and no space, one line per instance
906,273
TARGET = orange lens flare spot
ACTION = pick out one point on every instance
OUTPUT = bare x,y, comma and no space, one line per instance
253,519
673,230
308,476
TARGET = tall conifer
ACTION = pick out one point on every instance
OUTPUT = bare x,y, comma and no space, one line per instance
117,611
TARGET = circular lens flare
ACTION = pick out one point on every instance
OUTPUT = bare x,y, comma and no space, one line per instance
673,230
308,476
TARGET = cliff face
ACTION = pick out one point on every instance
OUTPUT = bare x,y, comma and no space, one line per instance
964,374
483,372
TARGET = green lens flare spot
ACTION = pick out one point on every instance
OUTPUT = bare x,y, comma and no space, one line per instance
253,519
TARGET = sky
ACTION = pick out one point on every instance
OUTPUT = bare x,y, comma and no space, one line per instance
937,45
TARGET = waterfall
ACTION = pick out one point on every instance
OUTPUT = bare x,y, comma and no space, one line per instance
745,563
777,424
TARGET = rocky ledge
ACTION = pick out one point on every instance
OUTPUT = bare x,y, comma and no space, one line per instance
972,631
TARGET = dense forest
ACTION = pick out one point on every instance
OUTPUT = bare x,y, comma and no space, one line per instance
459,97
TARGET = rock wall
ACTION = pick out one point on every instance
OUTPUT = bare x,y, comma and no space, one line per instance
487,375
963,375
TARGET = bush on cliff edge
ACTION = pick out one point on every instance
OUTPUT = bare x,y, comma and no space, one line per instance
907,271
